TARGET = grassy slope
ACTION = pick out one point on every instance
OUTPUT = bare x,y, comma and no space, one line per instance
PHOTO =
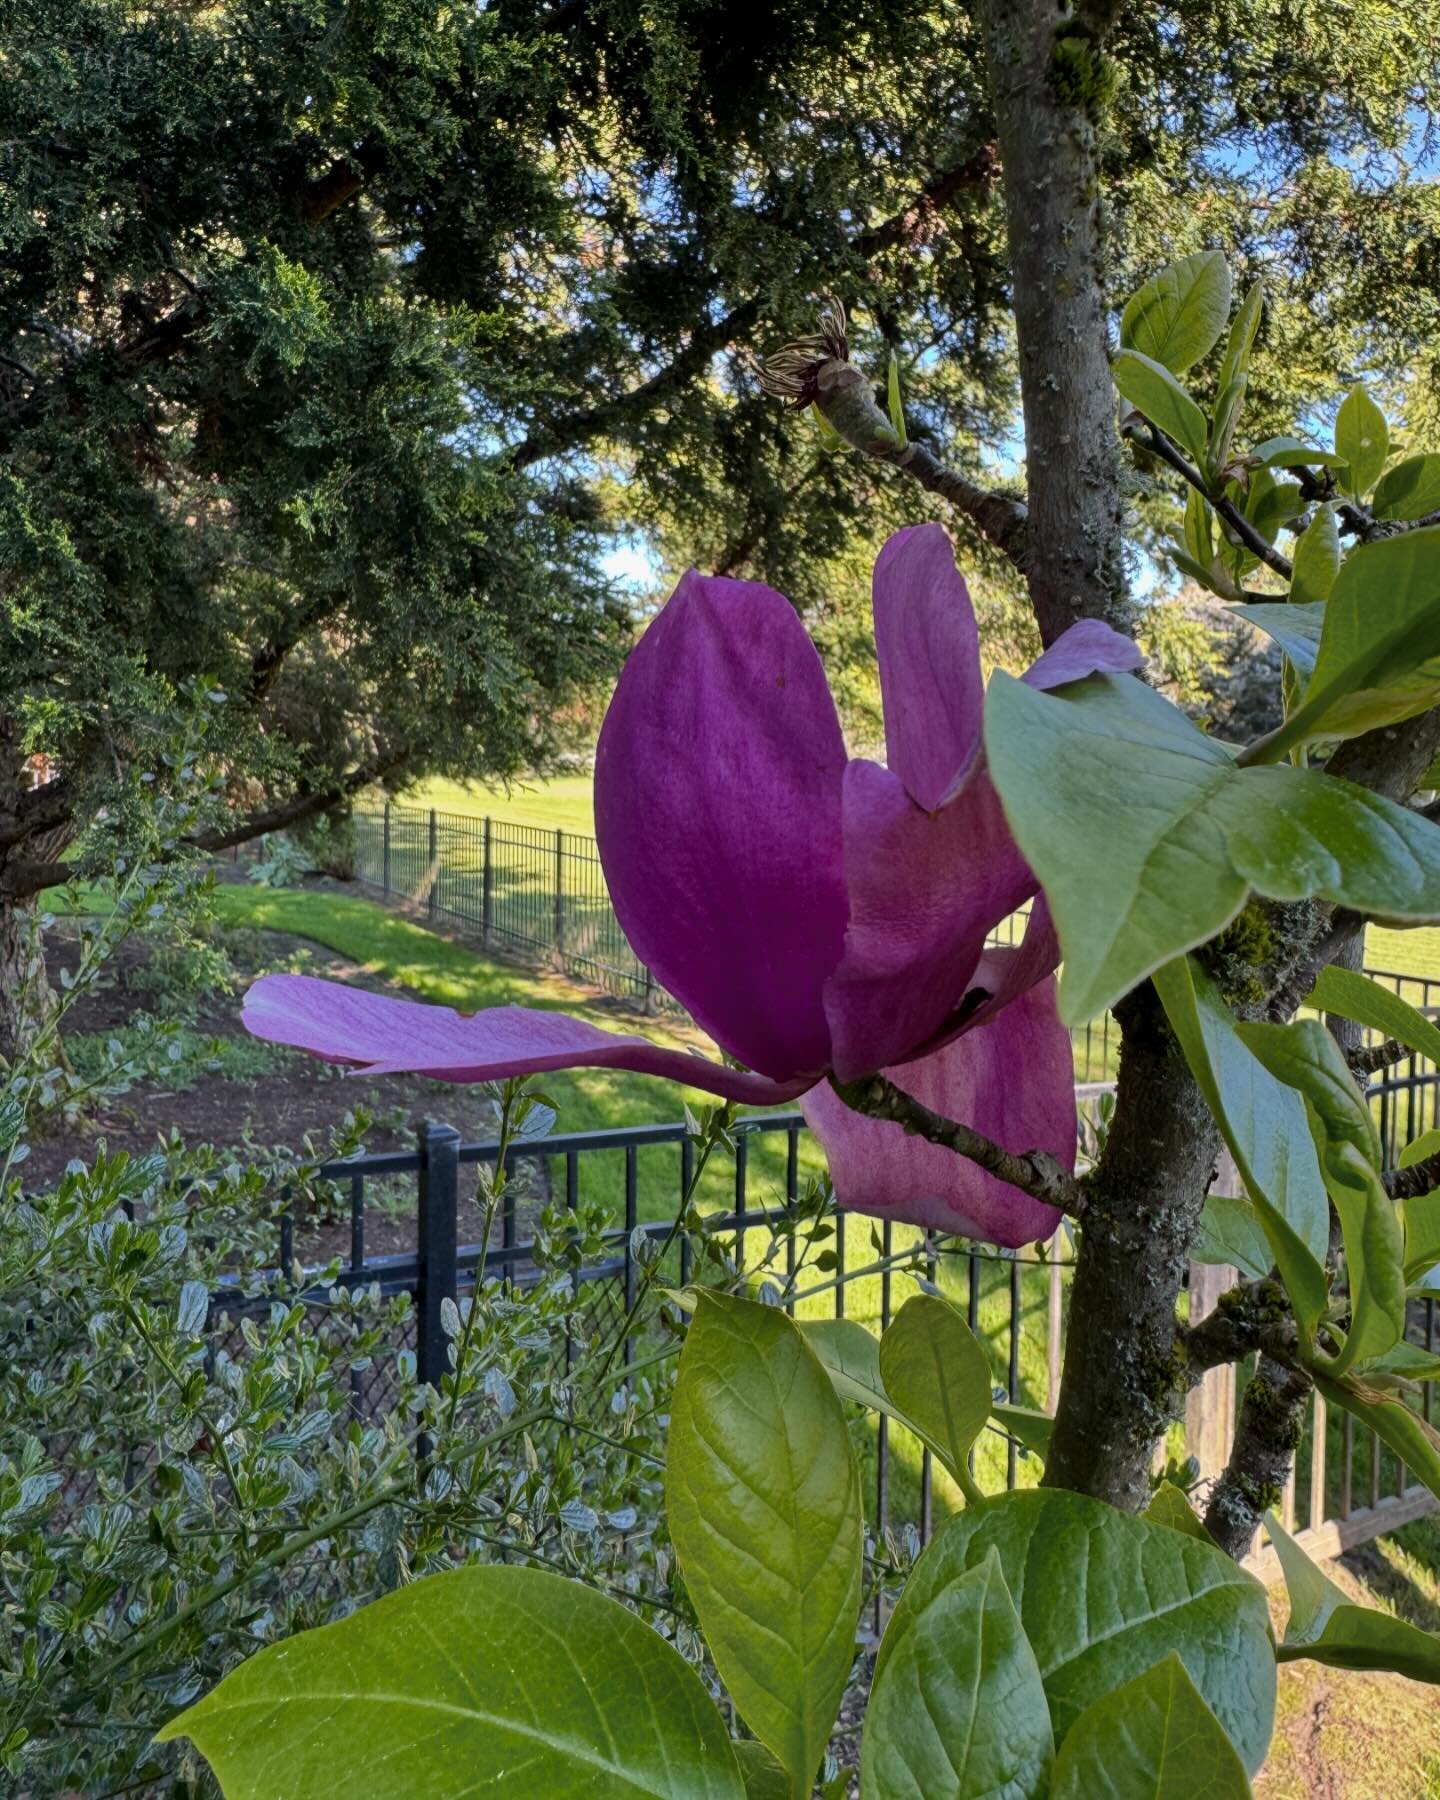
565,801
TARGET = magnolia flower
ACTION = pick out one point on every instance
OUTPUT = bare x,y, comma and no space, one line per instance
815,913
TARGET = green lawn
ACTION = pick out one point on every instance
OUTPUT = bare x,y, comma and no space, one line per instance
564,800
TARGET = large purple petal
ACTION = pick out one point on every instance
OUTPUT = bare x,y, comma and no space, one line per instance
928,649
926,890
1089,647
1007,971
1012,1080
717,809
386,1036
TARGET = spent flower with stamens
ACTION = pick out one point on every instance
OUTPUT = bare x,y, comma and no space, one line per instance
814,912
792,373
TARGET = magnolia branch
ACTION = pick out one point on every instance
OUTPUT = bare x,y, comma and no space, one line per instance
1420,1178
1254,541
1036,1172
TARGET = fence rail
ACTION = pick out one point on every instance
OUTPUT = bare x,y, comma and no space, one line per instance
523,885
1344,1489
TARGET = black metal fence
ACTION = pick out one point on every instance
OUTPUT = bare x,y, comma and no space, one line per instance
1016,1303
526,886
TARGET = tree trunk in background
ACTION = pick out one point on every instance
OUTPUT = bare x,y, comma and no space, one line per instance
27,999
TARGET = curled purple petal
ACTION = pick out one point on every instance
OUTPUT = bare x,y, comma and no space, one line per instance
1011,1079
717,809
927,645
386,1036
1089,647
926,889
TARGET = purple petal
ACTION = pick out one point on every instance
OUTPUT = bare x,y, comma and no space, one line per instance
926,890
1012,1080
385,1036
1089,647
1006,971
928,648
717,809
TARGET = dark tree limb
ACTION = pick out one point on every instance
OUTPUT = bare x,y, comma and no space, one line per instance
302,807
1267,1434
1371,1059
1036,1172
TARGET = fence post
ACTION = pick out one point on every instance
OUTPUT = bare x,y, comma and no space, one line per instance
559,892
435,1245
647,998
385,854
433,902
1210,1408
487,890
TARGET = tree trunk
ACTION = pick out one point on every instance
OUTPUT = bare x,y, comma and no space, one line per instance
27,1000
1049,78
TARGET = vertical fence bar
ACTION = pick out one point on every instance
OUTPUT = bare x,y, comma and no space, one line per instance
1317,1461
1347,1467
1013,1373
687,1175
559,892
487,888
385,852
435,1247
631,1219
432,901
1054,1322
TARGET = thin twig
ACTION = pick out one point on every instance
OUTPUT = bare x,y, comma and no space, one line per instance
1375,1057
1035,1172
1254,541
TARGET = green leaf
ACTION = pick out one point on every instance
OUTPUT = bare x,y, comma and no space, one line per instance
1236,362
1231,1235
1102,1596
1409,490
1266,1127
763,1495
1212,576
1177,317
1413,1441
1316,561
1187,833
957,1708
1305,1057
1362,438
1031,1428
1295,627
1379,655
1421,1213
765,1778
487,1670
1168,1506
1355,996
1269,503
1326,1627
1153,390
1153,1739
850,1356
1403,1362
935,1369
1295,453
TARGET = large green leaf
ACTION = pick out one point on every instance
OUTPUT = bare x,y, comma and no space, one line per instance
1029,1427
467,1683
1307,1058
1295,628
1416,1443
765,1777
1409,490
1362,438
1316,561
1186,833
1324,1626
850,1356
1177,317
1231,1235
1103,1596
1266,1127
1379,655
1355,996
1241,340
1153,1739
1295,453
935,1369
1422,1213
1151,389
958,1708
763,1494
